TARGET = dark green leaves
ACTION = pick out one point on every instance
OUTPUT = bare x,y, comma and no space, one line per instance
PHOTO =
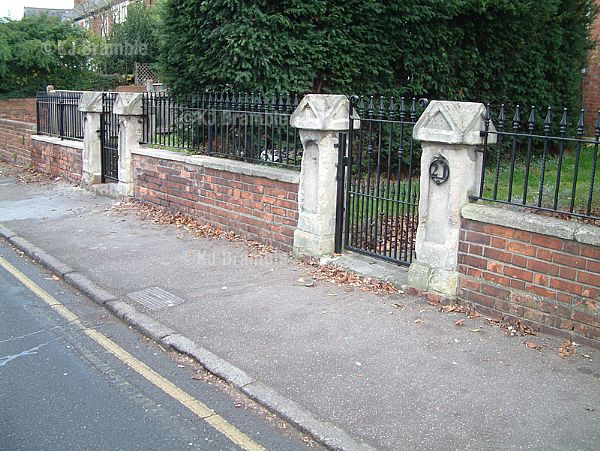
480,50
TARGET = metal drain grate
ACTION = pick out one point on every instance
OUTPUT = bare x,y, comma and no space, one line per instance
155,298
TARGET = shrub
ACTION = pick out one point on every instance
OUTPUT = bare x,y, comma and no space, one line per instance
34,52
483,50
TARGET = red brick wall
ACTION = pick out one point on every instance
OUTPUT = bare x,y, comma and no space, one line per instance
552,283
591,82
15,141
57,160
257,208
18,110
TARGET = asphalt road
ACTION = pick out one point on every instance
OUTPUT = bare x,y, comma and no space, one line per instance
60,389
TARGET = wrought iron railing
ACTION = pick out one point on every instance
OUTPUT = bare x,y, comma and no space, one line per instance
58,114
248,127
544,162
382,181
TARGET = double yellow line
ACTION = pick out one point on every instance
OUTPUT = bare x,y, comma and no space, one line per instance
199,409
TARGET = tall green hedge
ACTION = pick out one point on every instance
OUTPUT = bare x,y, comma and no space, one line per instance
37,51
482,50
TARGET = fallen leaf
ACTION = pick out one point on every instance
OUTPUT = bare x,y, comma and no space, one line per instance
567,349
589,408
419,321
476,330
340,276
532,345
459,323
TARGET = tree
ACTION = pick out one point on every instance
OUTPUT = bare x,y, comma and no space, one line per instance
481,50
133,41
41,50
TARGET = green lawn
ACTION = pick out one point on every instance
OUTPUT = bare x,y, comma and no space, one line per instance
584,184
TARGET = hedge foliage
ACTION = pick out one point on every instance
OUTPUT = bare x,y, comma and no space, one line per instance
38,51
482,50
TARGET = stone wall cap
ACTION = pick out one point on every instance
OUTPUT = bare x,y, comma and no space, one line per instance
129,104
323,112
531,222
57,141
18,124
453,123
222,164
91,102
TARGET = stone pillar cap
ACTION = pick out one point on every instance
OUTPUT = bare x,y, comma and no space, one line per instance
453,123
91,102
129,104
323,112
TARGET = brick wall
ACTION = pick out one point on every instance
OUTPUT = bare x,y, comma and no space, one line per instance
591,82
552,283
18,110
15,141
58,158
255,207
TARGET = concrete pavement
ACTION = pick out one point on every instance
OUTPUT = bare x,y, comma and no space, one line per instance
389,370
62,388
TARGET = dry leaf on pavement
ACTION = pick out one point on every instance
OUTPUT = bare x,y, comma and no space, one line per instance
567,349
340,276
532,345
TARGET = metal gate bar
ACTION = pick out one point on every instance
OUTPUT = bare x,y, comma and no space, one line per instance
381,183
109,138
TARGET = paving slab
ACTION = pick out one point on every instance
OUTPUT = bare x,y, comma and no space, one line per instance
388,370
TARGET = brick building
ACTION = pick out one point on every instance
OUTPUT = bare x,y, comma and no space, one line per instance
591,82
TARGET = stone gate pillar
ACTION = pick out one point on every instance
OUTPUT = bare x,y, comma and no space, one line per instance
90,103
319,119
451,165
129,108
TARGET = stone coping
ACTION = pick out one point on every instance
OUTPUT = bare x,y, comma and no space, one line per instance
58,141
530,222
222,164
29,125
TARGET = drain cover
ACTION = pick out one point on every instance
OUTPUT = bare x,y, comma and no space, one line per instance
155,298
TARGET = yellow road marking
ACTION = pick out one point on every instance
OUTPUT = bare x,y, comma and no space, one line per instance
195,406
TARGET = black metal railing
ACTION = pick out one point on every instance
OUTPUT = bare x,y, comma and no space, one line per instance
109,138
382,181
543,162
248,127
58,114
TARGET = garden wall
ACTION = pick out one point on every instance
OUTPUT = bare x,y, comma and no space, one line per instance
15,141
516,265
18,110
257,202
60,158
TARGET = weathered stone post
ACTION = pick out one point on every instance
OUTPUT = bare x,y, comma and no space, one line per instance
319,119
450,134
91,104
128,107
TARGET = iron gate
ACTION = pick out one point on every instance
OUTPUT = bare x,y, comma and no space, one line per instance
378,194
109,138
